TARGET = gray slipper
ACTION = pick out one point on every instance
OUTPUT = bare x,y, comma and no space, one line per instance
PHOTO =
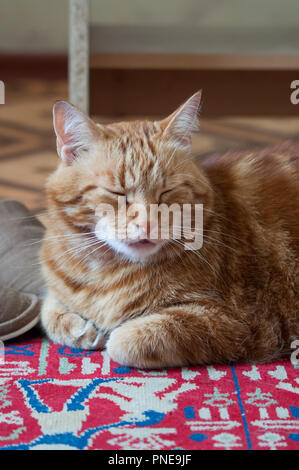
21,283
18,312
20,237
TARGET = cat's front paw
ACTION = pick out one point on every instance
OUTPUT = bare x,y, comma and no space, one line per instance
75,332
70,329
118,348
84,335
131,346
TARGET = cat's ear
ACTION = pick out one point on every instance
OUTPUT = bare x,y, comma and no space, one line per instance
179,125
75,132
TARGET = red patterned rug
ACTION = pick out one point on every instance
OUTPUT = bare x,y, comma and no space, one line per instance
53,397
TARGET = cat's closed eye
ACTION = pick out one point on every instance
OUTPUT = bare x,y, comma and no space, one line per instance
117,193
165,192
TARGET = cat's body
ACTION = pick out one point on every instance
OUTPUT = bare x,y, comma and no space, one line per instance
235,299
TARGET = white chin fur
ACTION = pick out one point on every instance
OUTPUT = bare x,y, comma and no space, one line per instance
131,253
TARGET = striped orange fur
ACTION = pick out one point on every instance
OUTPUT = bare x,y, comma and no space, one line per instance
156,304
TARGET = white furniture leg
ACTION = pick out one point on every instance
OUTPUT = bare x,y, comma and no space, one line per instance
79,54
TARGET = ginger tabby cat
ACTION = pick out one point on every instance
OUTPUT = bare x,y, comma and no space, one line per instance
148,300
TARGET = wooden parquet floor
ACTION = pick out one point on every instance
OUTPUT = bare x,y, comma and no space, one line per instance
27,143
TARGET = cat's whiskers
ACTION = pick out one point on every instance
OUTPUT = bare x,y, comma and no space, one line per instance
100,245
216,214
202,258
44,213
224,234
74,249
214,241
61,237
39,214
205,237
93,251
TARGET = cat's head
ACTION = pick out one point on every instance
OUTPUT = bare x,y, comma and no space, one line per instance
110,172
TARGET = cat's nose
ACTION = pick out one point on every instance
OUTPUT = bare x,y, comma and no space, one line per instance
144,229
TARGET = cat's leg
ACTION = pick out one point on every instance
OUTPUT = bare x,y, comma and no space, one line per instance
67,328
178,336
